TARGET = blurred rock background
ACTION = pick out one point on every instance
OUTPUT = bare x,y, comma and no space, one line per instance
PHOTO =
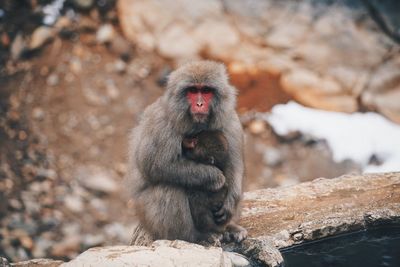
75,76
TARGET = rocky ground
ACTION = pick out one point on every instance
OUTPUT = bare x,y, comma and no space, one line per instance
70,93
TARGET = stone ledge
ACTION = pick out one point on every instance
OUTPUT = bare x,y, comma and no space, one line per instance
275,218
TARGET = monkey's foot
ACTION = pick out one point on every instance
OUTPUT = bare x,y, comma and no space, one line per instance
213,240
235,233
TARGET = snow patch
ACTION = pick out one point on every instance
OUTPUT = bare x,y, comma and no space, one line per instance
52,12
357,136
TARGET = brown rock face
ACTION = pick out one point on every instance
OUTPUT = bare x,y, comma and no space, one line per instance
321,208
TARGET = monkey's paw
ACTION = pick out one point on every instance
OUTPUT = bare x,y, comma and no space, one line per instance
235,233
217,183
221,214
213,240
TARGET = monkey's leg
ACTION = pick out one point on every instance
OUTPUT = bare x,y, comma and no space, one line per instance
166,213
235,233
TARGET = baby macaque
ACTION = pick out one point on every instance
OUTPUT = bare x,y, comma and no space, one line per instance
211,148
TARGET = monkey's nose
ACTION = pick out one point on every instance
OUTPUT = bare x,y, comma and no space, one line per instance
199,104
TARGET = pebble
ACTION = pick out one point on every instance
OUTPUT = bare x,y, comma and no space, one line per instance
120,66
298,236
38,113
74,203
237,259
53,79
105,34
272,157
257,127
26,242
68,247
93,98
112,90
15,204
117,231
4,262
42,245
46,173
83,4
121,47
97,179
90,240
40,36
18,46
75,66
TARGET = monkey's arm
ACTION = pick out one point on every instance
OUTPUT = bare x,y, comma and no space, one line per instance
234,173
161,162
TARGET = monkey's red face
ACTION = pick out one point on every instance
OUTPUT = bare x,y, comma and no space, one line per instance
199,98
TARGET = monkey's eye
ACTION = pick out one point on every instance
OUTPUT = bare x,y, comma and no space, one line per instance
192,90
207,90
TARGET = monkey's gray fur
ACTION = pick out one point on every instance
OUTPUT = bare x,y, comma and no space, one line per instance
161,175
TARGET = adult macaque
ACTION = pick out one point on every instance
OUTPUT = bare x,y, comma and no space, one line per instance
198,97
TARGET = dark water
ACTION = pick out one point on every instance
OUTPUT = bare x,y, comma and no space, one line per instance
372,248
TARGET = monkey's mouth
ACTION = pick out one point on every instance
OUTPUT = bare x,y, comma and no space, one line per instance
200,117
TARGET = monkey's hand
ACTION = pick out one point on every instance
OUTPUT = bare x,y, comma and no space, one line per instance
221,214
216,183
235,233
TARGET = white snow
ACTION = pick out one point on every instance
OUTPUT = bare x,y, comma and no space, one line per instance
355,136
52,11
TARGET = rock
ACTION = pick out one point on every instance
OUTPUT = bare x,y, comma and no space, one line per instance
383,91
120,47
317,209
287,35
38,113
161,253
63,23
42,246
4,262
216,36
105,34
71,229
53,79
112,90
75,65
46,173
38,263
177,42
15,204
93,240
257,127
314,91
117,231
83,4
93,97
74,203
272,157
87,24
97,179
18,47
119,66
149,24
40,36
277,65
237,259
67,247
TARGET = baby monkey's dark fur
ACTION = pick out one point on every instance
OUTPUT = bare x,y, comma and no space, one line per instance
208,147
